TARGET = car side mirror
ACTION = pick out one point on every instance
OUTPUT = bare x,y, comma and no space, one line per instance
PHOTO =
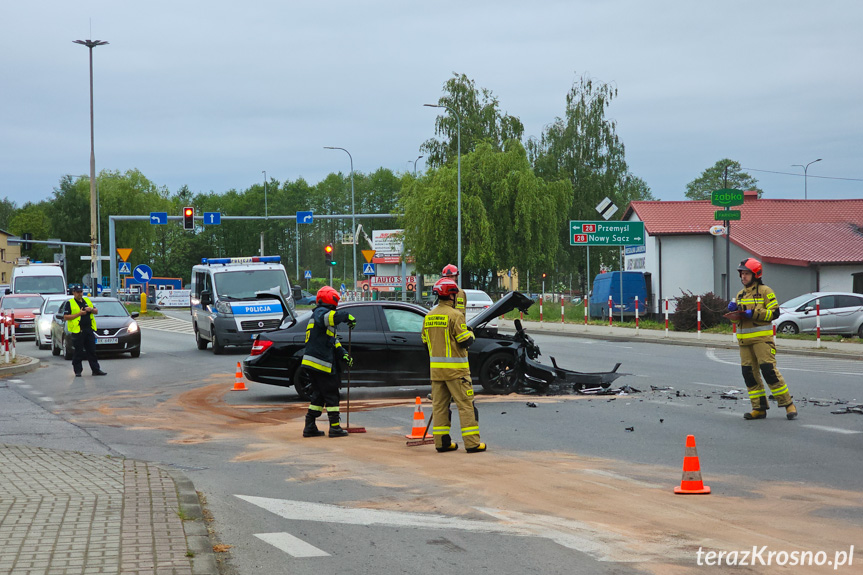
808,309
8,291
37,312
59,316
135,314
206,297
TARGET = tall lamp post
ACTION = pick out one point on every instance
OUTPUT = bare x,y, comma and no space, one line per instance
415,165
94,219
265,209
458,120
805,176
353,214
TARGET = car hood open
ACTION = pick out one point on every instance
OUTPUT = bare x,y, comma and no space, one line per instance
512,300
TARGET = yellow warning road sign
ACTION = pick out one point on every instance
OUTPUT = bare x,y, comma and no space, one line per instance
124,253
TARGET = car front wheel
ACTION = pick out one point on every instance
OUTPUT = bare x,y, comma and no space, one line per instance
788,328
55,349
218,348
200,341
498,374
67,351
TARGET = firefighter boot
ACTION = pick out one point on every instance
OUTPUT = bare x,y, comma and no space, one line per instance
755,414
335,427
311,430
790,411
478,449
447,445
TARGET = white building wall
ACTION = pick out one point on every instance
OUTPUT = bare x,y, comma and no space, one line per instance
687,264
838,278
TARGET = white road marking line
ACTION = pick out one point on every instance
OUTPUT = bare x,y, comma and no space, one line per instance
46,398
833,429
291,545
17,381
572,534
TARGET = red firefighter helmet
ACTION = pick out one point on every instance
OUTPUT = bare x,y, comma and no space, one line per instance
445,287
751,265
329,296
449,271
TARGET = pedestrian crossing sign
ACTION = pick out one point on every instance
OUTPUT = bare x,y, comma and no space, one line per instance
125,268
369,270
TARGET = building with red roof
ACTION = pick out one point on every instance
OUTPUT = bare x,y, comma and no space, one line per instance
804,246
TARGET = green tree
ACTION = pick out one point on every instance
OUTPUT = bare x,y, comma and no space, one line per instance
7,210
714,178
481,121
510,217
34,219
583,147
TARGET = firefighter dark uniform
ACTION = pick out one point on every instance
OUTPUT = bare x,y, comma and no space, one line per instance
757,347
447,338
450,271
322,353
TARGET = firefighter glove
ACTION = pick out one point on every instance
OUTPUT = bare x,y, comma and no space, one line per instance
748,314
732,306
348,360
352,322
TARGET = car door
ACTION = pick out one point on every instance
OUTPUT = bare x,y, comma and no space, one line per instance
367,346
846,314
408,358
808,316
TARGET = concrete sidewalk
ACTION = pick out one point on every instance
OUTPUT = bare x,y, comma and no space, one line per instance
91,510
843,350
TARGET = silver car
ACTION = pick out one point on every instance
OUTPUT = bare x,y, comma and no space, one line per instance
52,304
840,313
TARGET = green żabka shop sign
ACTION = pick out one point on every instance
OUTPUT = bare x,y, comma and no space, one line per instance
726,198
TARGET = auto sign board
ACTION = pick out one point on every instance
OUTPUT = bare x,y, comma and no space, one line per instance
602,233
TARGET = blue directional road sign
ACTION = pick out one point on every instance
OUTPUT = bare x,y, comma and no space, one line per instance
370,269
159,218
307,275
142,273
305,217
125,268
343,289
212,218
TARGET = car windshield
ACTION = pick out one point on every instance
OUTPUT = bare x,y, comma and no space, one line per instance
111,309
478,297
31,302
795,302
244,284
39,284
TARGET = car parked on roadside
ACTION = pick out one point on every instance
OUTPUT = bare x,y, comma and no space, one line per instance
117,331
307,298
53,304
839,313
386,347
24,308
477,301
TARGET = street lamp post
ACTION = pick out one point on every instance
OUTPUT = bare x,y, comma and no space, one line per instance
458,143
415,165
265,209
94,219
805,176
353,213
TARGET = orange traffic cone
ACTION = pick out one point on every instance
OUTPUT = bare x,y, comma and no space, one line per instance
691,483
418,430
239,384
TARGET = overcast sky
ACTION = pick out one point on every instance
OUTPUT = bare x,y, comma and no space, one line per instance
210,94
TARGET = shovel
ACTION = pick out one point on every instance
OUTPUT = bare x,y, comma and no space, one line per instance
348,427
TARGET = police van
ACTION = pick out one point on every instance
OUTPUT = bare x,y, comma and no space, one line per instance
233,299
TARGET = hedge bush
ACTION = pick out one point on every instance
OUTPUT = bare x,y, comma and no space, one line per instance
712,309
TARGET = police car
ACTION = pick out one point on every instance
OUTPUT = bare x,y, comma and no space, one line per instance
233,299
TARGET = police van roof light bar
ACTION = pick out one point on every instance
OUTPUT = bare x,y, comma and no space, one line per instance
246,260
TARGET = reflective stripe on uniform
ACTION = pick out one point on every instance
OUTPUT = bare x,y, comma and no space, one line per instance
463,336
316,407
781,390
470,430
317,364
332,409
757,392
440,430
460,362
331,318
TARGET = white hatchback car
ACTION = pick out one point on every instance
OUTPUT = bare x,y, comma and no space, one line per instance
478,300
53,304
840,312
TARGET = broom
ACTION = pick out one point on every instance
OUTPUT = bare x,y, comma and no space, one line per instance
348,427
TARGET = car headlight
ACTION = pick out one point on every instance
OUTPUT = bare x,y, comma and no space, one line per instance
224,308
45,323
133,327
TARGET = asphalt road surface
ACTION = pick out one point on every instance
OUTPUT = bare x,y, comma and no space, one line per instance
564,488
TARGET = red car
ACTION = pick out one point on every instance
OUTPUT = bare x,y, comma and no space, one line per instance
22,305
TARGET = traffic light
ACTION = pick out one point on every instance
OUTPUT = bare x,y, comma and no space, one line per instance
543,276
188,218
328,255
26,245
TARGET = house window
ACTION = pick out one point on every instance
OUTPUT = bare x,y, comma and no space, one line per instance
4,278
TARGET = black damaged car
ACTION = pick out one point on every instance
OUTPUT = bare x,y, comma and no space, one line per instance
388,351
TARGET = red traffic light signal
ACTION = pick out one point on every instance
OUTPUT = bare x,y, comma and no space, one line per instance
188,218
328,254
543,276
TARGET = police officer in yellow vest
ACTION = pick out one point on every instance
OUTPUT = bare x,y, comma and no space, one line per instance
80,316
447,338
450,271
758,304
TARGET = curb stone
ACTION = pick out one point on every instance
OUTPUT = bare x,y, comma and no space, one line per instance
32,365
197,538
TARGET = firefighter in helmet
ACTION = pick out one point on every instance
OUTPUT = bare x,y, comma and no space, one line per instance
323,351
758,304
447,338
450,271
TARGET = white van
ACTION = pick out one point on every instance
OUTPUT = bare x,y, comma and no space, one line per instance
234,299
38,278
